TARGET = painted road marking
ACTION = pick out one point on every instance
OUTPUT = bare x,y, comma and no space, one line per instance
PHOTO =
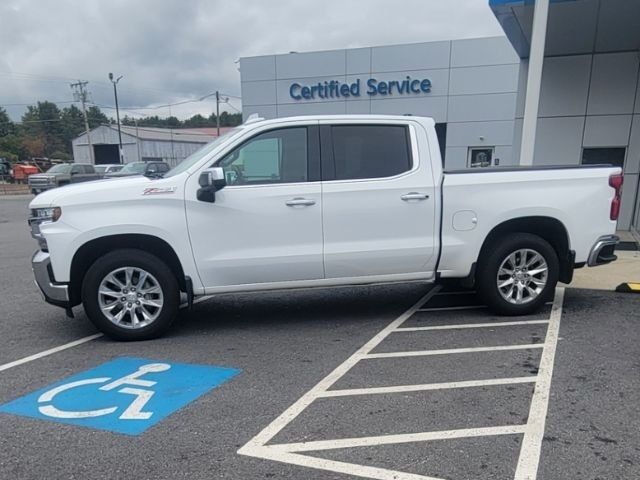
533,430
427,386
532,443
448,351
51,351
461,292
126,395
471,325
445,309
395,439
75,343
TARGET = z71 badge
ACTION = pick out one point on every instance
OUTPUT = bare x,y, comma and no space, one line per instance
159,190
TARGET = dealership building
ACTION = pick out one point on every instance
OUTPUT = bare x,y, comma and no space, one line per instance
581,63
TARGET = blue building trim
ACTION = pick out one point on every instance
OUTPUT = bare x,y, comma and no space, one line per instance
504,12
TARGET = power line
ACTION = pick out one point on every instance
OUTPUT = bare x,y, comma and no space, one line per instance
34,103
60,79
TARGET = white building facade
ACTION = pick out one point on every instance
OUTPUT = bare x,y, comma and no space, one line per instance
468,86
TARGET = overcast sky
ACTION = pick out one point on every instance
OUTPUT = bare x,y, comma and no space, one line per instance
174,50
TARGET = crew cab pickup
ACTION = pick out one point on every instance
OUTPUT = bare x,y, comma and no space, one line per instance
317,201
62,174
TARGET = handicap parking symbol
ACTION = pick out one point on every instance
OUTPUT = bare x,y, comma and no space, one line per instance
126,395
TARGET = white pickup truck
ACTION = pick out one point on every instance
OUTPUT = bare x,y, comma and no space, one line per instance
317,201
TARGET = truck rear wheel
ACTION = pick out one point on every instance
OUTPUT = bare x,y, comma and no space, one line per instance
518,275
130,294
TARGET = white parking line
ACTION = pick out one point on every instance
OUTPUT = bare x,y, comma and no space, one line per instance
463,292
51,351
532,442
470,325
424,353
256,445
427,386
447,309
533,431
395,439
75,343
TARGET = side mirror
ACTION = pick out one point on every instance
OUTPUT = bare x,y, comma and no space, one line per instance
211,180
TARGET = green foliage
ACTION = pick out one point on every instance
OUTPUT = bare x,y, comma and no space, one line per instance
61,156
7,127
196,121
96,117
11,157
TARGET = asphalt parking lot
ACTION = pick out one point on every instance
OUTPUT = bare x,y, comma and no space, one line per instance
392,382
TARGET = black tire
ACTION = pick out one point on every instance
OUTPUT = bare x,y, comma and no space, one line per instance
131,258
489,265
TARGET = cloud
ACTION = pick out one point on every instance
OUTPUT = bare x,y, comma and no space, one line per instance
172,50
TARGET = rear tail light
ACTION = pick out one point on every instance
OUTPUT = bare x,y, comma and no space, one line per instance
615,181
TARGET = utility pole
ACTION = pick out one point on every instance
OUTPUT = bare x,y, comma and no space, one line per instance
80,95
218,112
115,94
224,100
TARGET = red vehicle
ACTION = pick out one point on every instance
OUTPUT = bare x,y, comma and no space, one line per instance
21,172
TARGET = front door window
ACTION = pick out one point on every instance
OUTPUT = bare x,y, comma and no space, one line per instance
278,156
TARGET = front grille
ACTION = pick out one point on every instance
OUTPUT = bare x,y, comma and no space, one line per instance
40,181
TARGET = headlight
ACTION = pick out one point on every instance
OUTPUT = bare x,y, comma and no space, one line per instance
40,216
50,214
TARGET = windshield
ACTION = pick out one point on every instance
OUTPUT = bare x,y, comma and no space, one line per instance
136,167
100,169
200,154
62,168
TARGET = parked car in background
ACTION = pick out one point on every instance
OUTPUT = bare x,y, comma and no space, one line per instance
5,170
62,174
103,170
150,169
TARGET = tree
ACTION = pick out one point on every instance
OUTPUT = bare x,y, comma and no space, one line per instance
11,147
7,127
227,119
96,117
42,126
72,122
173,122
198,121
35,145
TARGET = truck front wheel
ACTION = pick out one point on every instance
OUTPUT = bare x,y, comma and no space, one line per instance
130,294
518,274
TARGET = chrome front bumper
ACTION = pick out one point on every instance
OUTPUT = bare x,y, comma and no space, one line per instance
54,293
602,251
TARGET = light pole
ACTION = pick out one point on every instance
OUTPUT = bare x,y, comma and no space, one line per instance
115,94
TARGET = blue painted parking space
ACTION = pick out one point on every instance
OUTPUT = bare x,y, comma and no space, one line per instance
126,395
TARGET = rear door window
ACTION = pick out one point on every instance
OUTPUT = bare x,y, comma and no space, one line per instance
369,151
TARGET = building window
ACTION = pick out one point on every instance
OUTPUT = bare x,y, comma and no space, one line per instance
479,157
604,156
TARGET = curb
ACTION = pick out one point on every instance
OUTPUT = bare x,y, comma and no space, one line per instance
629,287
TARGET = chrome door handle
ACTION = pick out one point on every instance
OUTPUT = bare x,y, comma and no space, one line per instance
298,201
414,196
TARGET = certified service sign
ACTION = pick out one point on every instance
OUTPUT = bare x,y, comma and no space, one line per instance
371,87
